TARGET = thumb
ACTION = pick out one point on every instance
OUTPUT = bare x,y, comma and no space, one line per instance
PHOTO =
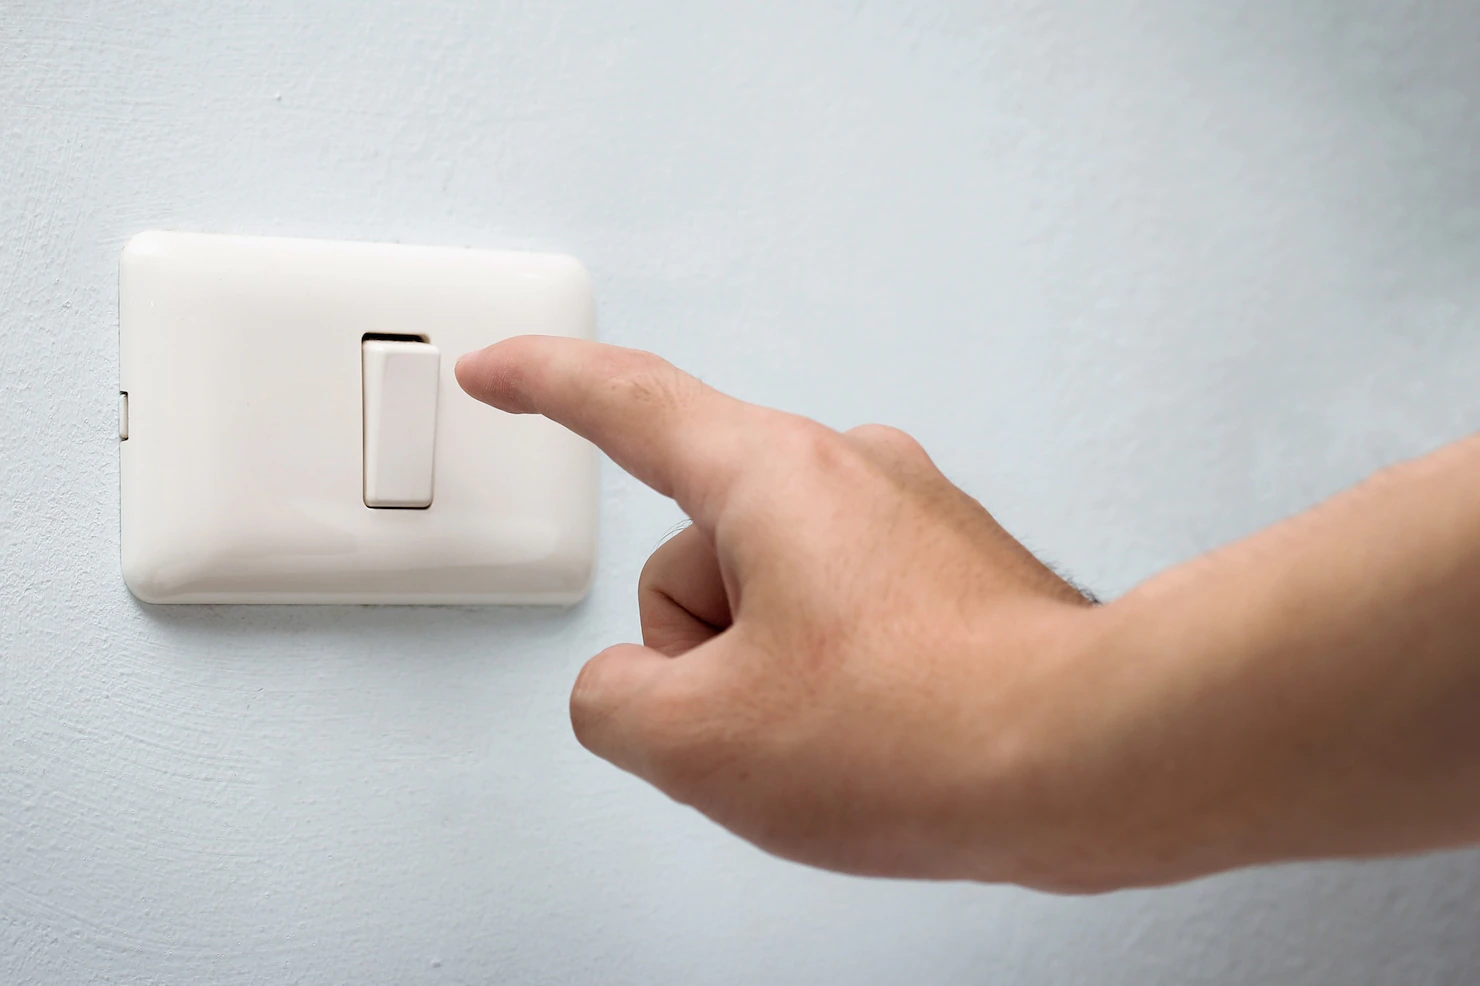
606,698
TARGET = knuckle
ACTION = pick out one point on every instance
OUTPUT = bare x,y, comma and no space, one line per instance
662,573
655,611
888,437
817,445
585,711
872,432
652,570
645,379
675,544
590,705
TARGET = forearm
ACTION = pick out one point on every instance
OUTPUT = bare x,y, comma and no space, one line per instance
1311,691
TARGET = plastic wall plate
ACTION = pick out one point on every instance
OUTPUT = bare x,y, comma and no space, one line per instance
242,473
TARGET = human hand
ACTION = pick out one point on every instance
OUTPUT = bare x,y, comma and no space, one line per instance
847,662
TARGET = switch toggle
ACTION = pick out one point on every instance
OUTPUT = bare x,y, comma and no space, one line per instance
400,391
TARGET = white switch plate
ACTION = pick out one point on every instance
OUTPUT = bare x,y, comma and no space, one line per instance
242,474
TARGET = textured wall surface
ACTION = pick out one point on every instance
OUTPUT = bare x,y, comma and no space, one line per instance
1144,276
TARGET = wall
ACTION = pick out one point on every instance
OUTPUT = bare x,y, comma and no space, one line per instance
1144,276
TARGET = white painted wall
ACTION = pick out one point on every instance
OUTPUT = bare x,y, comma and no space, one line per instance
1144,276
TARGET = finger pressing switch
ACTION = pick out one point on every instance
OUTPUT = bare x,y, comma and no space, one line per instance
400,392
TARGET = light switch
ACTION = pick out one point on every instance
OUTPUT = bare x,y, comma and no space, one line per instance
400,381
277,387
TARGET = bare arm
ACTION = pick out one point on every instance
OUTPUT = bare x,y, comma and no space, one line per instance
849,662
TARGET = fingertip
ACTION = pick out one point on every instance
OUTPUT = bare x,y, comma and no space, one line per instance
501,374
461,368
490,375
465,371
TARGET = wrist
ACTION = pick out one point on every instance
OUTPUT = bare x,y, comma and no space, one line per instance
1111,781
1050,772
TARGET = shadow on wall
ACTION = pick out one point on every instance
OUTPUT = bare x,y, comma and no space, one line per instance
436,633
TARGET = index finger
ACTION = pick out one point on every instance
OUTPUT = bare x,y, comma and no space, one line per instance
670,430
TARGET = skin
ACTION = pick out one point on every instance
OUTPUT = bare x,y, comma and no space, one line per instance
849,663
